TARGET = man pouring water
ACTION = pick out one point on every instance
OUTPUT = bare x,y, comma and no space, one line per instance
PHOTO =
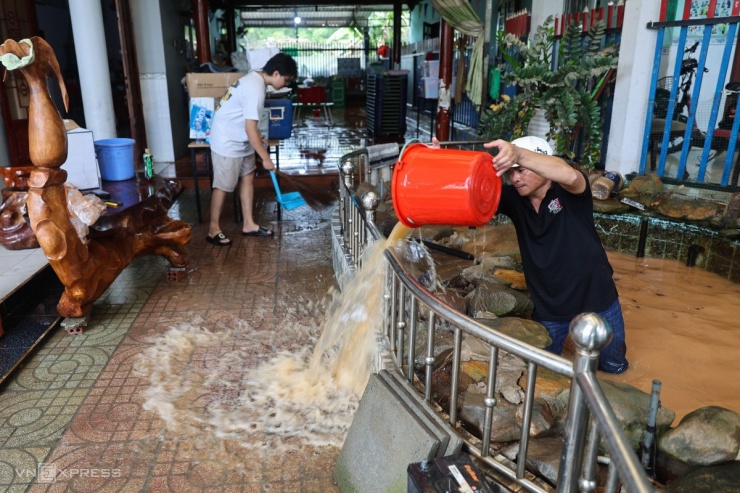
565,265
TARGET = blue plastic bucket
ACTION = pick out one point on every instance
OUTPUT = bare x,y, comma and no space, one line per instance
115,159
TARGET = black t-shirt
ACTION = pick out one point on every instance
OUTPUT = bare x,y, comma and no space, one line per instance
565,265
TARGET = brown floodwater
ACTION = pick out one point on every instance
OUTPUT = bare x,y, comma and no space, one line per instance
681,326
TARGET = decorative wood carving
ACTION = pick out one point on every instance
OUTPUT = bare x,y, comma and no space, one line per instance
15,232
85,270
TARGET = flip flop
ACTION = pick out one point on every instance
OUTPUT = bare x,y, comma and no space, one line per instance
264,232
219,239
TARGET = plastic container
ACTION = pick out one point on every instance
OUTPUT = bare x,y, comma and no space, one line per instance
605,186
115,159
445,186
280,118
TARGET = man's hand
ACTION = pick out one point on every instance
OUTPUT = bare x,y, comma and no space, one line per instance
268,164
508,155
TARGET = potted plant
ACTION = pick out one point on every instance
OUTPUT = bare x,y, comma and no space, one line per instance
561,83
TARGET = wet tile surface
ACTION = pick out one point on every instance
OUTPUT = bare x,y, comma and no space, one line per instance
73,417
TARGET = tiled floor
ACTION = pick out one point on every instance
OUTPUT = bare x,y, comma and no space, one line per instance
78,414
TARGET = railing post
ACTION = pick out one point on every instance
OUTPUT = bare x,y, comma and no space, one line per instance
370,202
344,196
590,333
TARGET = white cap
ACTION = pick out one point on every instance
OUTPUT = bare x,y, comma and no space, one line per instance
534,144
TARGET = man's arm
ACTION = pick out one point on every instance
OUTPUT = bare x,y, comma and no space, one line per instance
255,139
549,167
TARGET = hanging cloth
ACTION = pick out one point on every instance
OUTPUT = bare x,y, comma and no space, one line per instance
461,16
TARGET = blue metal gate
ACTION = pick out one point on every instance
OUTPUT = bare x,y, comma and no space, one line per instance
674,109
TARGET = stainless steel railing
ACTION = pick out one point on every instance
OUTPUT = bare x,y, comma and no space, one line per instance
589,420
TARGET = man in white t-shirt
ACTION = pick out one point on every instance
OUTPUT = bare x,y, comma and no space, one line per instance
235,138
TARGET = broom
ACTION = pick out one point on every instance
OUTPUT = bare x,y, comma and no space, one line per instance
317,196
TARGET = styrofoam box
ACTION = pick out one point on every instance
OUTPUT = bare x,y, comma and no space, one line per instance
430,87
431,68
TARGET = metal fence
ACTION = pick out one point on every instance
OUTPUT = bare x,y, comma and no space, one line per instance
701,135
326,60
590,419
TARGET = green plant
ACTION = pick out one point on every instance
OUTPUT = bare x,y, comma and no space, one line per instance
564,87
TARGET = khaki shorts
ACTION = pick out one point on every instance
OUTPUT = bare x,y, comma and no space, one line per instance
227,170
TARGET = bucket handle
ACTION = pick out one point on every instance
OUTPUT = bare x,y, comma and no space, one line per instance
410,141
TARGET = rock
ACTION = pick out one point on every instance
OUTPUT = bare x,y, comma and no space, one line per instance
479,272
630,407
725,477
492,262
548,383
474,349
707,436
512,278
690,210
505,426
731,216
543,456
732,234
522,329
448,267
496,240
436,233
542,418
476,370
644,186
498,299
610,206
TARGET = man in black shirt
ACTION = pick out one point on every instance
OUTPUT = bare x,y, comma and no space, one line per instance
565,265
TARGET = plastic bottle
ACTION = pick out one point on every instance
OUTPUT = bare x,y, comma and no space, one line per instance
148,164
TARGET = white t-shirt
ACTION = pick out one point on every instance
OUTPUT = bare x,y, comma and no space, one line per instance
244,100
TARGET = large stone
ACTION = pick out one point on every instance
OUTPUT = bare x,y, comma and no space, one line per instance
497,240
505,426
498,299
610,206
723,478
690,210
630,406
644,186
543,456
522,329
707,436
732,212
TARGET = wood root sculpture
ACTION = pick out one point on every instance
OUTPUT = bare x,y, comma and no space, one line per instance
85,270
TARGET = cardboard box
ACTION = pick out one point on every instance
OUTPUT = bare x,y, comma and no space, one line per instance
210,85
81,164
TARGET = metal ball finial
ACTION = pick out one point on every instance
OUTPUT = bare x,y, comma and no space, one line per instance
348,168
590,331
370,200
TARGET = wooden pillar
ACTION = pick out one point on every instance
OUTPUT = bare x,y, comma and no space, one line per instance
202,35
445,81
397,12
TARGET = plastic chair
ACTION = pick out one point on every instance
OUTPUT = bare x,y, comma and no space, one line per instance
289,200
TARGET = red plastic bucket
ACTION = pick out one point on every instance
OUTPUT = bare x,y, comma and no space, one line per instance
445,186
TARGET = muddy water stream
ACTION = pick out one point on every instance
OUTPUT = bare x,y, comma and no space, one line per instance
306,397
682,328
